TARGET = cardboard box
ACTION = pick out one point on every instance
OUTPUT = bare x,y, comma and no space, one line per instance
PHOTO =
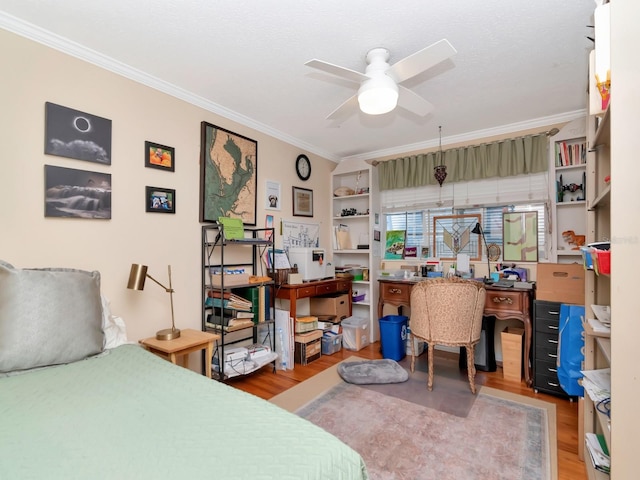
335,304
512,339
308,347
560,282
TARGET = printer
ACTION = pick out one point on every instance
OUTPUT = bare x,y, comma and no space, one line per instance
311,262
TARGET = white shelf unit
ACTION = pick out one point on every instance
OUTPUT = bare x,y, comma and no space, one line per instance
597,352
568,208
358,212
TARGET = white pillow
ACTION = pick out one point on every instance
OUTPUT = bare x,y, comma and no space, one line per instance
114,328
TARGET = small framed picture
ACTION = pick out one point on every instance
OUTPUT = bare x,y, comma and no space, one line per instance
159,156
302,202
272,198
160,200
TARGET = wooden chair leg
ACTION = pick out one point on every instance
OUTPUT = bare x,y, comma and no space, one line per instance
413,353
471,367
430,359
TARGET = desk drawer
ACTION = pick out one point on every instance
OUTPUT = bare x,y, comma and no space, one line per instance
395,292
549,384
343,286
547,325
305,292
327,288
546,310
504,300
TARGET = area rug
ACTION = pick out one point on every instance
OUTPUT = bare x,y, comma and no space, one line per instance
504,436
451,393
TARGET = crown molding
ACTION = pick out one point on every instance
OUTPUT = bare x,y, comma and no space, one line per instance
541,122
74,49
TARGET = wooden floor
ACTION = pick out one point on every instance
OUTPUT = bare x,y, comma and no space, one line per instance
266,384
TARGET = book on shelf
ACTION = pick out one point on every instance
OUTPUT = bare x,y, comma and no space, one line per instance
229,324
598,452
258,299
228,300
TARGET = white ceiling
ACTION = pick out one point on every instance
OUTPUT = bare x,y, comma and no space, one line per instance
520,63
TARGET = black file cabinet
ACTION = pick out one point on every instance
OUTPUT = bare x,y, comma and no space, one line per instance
546,325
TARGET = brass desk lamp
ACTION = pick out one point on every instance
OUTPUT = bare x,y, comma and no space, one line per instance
137,277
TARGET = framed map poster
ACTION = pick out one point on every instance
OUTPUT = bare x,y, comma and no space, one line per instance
228,175
520,236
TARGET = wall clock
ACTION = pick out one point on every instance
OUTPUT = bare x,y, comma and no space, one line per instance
303,167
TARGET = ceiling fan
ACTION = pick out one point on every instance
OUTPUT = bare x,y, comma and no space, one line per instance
380,90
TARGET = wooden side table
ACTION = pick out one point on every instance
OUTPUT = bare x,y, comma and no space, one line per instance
188,342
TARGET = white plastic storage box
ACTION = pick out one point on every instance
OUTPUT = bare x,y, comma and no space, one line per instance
355,333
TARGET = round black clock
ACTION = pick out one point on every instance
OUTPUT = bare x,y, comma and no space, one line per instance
303,167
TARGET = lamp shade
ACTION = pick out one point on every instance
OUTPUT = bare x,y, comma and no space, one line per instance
378,95
137,277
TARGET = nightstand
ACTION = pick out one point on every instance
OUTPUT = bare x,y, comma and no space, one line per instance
188,342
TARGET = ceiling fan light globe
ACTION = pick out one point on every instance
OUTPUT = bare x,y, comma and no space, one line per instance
378,95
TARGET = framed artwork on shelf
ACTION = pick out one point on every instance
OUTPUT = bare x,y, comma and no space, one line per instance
159,156
74,134
452,235
228,175
160,200
75,193
272,195
520,236
394,244
302,202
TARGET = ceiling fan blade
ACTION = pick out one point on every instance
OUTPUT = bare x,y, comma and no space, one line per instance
413,102
348,108
421,61
336,70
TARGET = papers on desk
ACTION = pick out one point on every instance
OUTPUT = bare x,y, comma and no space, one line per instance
602,313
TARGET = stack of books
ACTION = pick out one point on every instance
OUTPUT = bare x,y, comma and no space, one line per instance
231,301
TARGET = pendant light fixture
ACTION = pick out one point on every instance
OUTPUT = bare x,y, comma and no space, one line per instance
440,170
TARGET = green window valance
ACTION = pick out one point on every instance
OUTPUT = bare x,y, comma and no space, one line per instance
504,158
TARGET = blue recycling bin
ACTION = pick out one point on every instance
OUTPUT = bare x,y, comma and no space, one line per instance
393,336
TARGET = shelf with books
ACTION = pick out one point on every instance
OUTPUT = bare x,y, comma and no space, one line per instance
237,300
567,191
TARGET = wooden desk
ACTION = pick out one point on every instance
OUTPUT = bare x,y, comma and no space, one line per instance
502,303
188,342
297,291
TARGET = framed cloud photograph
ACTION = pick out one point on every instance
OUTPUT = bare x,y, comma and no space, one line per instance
72,193
74,134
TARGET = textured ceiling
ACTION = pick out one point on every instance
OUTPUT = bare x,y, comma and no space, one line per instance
520,63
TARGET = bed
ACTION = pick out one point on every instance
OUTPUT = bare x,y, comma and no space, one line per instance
123,413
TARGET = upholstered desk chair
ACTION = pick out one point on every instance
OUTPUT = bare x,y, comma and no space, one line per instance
447,312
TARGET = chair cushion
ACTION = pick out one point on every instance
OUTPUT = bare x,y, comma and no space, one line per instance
48,316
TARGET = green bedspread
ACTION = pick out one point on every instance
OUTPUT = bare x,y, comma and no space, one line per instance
131,415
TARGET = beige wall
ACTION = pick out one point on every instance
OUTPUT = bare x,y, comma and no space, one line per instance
34,74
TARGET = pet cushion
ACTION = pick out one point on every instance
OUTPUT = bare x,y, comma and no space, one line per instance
372,371
48,316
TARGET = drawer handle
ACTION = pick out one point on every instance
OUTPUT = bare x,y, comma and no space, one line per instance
551,355
506,300
553,384
552,341
554,370
554,313
552,327
395,290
